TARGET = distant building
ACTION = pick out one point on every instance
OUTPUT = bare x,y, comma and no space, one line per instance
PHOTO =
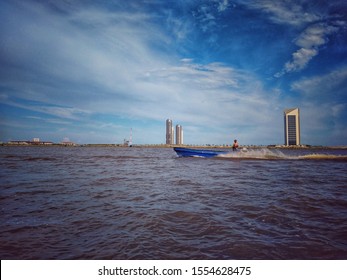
66,142
35,141
18,142
169,132
291,127
129,143
179,135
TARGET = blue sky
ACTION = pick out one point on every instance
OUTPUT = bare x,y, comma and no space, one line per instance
92,70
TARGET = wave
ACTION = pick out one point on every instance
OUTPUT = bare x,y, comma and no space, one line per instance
39,159
323,156
269,154
255,154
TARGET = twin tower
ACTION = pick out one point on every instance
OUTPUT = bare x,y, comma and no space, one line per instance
170,133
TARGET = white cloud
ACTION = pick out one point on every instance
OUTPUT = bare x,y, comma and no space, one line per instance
323,87
309,40
57,121
67,113
284,12
315,35
300,59
95,63
223,5
318,24
207,15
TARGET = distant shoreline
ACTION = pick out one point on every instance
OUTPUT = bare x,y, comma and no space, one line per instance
172,146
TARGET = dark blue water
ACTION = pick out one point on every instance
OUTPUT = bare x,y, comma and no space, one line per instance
141,203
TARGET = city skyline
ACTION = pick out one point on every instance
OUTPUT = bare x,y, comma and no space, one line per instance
92,70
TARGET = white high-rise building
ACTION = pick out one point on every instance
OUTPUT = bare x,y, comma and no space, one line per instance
179,135
291,127
169,132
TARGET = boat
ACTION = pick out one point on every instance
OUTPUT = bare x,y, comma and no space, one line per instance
205,153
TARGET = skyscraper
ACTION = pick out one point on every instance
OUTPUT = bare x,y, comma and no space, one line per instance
179,135
169,132
291,127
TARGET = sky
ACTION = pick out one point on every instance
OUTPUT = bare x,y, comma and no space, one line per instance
92,71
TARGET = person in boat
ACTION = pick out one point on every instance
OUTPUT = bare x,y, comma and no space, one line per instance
235,145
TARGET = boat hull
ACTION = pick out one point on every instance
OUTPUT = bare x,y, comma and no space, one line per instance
187,152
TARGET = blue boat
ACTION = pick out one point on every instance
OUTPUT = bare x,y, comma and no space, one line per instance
187,152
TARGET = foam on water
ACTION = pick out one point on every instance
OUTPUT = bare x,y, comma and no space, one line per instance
271,154
323,156
256,154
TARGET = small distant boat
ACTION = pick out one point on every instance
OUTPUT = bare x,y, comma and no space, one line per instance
187,152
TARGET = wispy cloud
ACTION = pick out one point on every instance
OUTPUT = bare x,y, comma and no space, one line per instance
318,21
329,87
101,62
208,16
309,41
284,12
223,5
57,121
62,112
67,63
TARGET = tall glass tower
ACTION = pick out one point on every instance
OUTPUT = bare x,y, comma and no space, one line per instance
169,132
291,127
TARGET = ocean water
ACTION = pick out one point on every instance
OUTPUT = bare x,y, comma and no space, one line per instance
146,203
